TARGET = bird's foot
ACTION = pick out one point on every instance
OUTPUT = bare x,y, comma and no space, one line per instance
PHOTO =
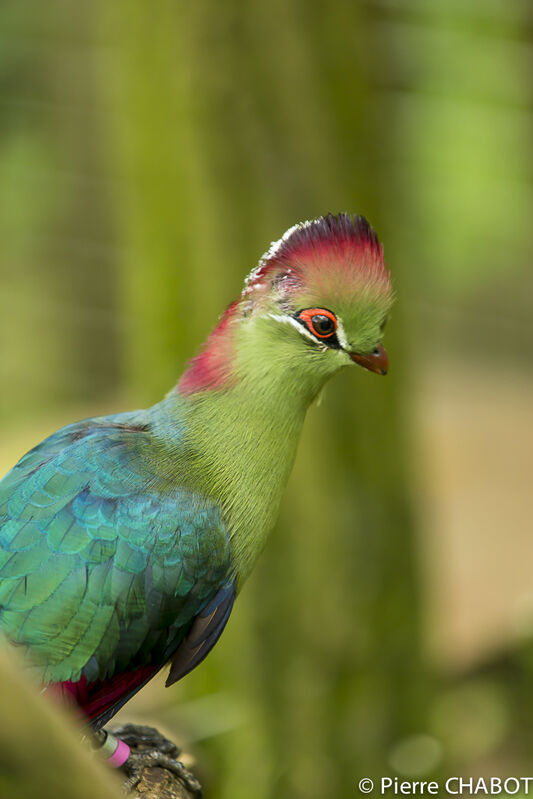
149,749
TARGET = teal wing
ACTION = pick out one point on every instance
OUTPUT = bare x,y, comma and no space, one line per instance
101,570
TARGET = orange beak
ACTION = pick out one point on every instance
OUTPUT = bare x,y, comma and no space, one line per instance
377,361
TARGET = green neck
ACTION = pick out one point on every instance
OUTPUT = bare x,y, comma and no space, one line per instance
240,441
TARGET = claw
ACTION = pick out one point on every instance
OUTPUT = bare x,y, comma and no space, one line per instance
138,762
150,749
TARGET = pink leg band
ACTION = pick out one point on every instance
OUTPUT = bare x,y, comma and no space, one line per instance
120,755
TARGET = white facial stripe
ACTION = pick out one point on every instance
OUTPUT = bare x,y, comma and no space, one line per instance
343,341
292,321
305,332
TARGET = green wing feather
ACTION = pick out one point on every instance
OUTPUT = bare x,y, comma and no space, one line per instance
100,570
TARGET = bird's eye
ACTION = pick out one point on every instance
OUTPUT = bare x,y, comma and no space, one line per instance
320,322
322,325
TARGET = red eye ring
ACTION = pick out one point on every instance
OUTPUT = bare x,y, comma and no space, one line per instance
311,318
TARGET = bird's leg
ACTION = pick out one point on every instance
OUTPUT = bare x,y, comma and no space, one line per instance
146,748
115,750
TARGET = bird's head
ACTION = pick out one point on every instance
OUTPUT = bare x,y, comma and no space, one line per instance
318,300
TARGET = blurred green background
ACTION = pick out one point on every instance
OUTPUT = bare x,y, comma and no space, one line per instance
149,153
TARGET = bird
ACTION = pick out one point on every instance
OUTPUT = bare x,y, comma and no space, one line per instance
125,539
